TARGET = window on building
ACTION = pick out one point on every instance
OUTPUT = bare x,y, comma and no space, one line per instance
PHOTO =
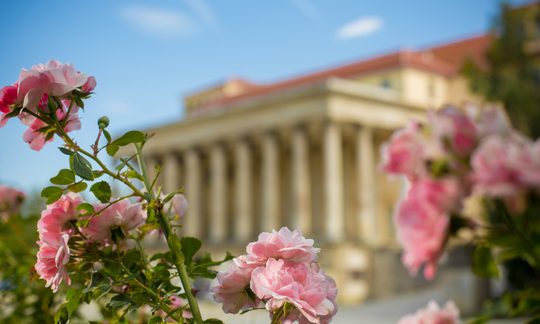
385,83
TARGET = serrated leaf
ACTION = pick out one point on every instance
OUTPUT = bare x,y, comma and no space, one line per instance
129,138
52,194
64,177
77,187
483,262
112,149
82,167
97,174
102,191
66,151
190,246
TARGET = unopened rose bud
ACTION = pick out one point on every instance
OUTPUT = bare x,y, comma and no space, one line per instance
103,122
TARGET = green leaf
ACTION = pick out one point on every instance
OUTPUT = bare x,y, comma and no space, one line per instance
77,187
52,194
483,263
87,208
133,175
82,167
190,246
107,136
212,321
73,297
64,177
155,320
129,138
119,301
112,149
102,191
66,151
61,316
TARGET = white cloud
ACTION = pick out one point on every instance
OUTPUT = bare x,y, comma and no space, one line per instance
361,27
204,11
307,8
158,22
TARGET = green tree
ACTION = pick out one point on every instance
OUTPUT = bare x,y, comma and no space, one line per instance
513,76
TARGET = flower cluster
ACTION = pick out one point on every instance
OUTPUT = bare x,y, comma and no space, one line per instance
279,270
11,200
46,98
58,224
454,155
433,314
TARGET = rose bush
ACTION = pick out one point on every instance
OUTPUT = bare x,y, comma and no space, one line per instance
457,155
97,249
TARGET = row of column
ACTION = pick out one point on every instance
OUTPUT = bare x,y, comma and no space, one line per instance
301,204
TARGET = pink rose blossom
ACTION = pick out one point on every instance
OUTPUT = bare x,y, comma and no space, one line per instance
178,205
497,169
8,96
54,79
303,285
422,222
403,154
123,215
52,258
284,244
232,289
433,314
54,234
11,200
454,127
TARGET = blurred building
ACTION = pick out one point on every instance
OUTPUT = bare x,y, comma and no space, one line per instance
303,153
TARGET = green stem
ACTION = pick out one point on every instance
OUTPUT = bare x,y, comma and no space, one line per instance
174,245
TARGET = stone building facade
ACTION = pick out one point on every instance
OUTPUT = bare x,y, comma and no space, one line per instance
304,152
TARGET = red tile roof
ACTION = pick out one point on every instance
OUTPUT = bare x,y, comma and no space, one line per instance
445,59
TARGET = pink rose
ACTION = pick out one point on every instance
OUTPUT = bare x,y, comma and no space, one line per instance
8,96
178,205
54,79
454,127
54,234
35,136
52,257
433,314
491,121
11,200
303,285
403,154
422,222
497,170
122,215
284,244
232,289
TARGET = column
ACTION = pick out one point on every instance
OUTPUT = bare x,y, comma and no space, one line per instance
192,220
270,183
218,204
243,226
367,218
301,199
333,187
171,173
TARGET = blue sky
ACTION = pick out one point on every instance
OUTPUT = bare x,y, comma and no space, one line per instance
147,54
